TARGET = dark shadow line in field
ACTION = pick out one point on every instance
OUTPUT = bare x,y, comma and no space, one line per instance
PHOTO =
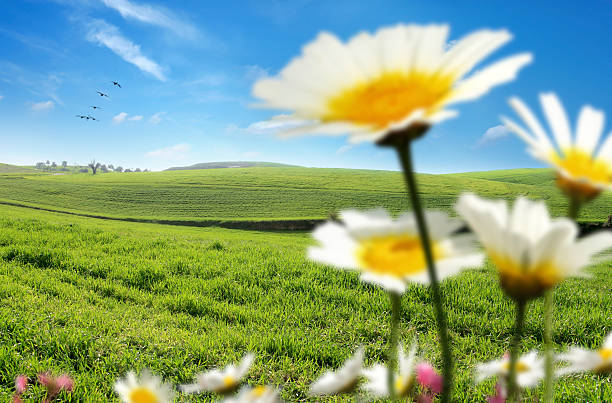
271,225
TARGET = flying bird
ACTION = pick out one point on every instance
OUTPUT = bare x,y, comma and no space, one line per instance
102,94
116,83
81,116
91,117
95,107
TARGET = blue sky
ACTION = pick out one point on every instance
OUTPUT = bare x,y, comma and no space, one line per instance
187,67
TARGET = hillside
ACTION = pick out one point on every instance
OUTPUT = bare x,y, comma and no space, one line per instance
8,168
269,193
229,164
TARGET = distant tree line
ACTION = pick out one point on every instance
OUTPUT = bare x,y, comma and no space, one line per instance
93,167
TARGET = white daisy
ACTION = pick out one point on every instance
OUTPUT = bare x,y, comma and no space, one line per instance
383,82
388,251
148,389
258,394
221,381
582,172
532,252
343,380
581,360
377,381
529,369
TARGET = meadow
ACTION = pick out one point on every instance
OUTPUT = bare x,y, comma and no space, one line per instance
271,193
96,298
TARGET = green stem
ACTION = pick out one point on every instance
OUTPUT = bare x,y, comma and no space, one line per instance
549,379
404,153
513,391
574,208
393,342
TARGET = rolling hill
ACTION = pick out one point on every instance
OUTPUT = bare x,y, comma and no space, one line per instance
270,193
229,164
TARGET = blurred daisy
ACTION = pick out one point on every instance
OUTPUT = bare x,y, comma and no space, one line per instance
388,251
221,381
344,380
258,394
581,360
529,369
532,252
583,173
377,381
147,389
384,82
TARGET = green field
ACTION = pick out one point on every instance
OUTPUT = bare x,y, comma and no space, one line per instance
270,193
96,298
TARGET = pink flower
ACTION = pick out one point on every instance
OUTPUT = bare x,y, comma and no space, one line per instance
499,397
429,378
21,384
55,385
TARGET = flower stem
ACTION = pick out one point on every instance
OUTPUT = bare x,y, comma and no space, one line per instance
549,378
513,392
405,157
393,342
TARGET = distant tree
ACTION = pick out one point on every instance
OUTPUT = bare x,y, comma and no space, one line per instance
84,170
41,166
94,166
119,169
54,165
128,170
64,164
146,170
48,162
111,166
137,170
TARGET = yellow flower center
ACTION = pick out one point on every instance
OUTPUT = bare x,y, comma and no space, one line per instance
520,367
606,356
522,282
586,173
143,395
229,381
390,98
394,255
605,353
258,391
402,385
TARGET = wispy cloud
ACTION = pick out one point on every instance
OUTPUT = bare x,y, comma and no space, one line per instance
1,96
136,118
344,148
275,125
108,35
42,106
41,85
119,118
156,118
154,15
492,134
175,152
254,72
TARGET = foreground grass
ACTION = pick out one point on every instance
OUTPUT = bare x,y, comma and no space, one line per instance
96,299
266,193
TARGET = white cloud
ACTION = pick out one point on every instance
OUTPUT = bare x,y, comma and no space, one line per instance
42,106
493,133
120,118
276,124
209,80
254,72
344,148
104,34
136,118
154,15
175,152
156,118
1,96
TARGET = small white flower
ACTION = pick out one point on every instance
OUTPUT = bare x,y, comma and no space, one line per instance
147,389
377,376
258,394
582,172
388,251
343,380
529,369
383,82
532,252
581,360
221,381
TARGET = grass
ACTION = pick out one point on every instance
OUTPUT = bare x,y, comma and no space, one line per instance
97,298
271,193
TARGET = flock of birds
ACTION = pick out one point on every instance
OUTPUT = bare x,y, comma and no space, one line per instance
102,94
